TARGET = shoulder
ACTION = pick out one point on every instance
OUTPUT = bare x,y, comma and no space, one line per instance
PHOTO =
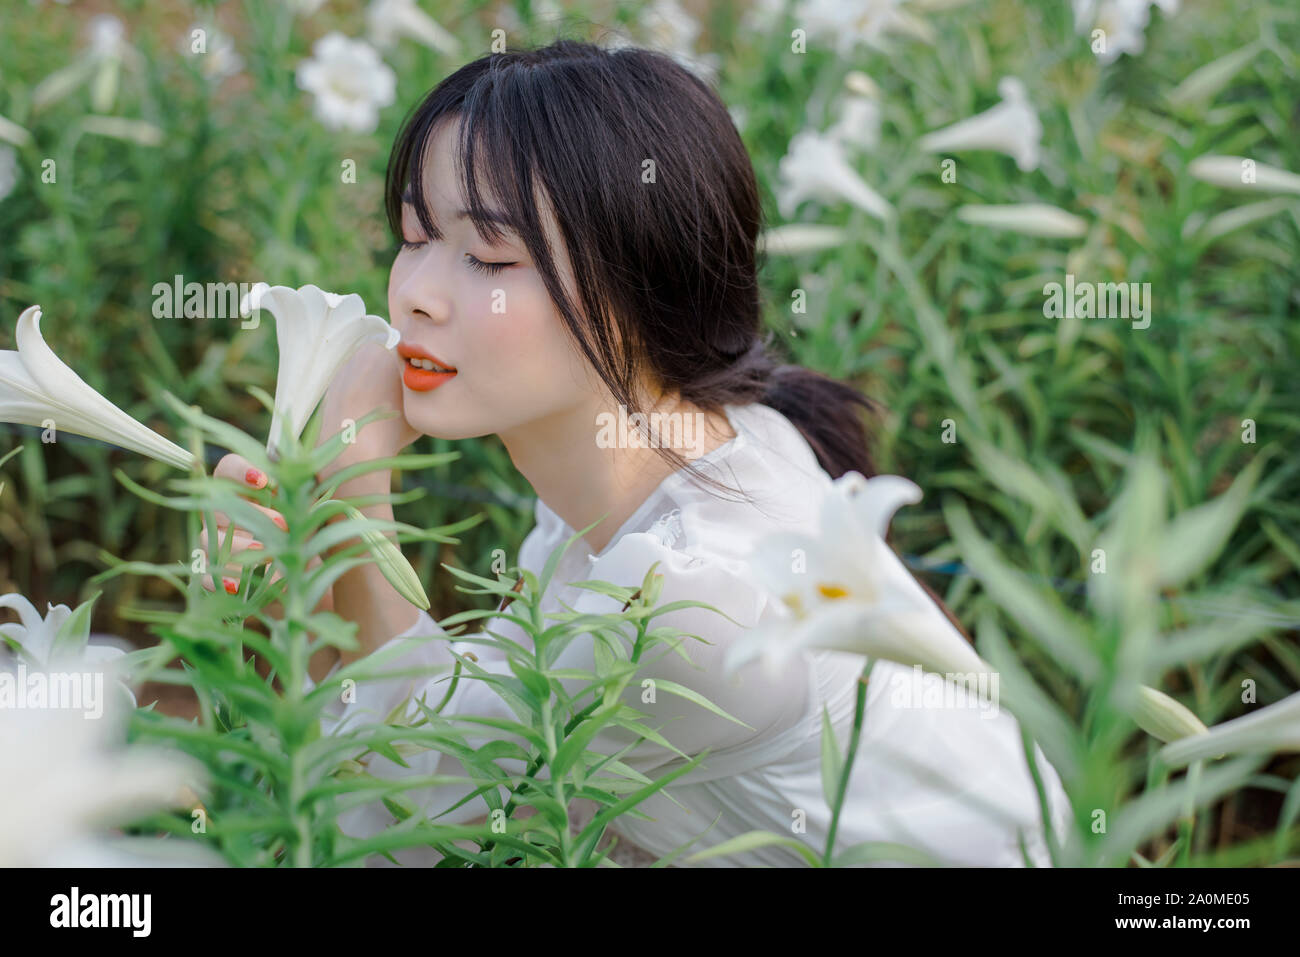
706,536
775,485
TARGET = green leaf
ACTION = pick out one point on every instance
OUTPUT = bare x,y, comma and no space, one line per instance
74,633
576,743
1033,708
1040,615
681,691
1196,536
872,851
752,841
832,762
1153,811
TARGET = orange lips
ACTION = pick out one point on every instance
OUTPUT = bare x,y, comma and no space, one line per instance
415,376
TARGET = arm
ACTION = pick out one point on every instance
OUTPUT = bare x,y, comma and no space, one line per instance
768,706
362,594
370,380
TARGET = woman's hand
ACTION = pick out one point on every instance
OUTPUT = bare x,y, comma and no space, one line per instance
238,469
371,379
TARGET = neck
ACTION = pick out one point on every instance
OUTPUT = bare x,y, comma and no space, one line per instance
573,467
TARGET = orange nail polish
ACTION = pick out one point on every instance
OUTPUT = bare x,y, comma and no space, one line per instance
256,545
255,478
279,520
230,585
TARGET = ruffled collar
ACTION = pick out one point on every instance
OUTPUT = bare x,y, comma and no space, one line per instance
740,418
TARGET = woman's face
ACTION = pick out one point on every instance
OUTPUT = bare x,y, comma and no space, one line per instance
482,310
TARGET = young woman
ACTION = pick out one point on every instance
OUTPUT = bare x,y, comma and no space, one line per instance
578,233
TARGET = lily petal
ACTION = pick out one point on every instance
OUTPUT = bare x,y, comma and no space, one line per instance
792,239
1162,717
1271,729
1031,219
316,332
878,498
36,385
1011,127
1229,172
815,168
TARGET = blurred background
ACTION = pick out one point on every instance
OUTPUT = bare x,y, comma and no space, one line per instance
145,140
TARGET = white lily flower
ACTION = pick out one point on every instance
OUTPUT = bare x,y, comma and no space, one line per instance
845,589
8,170
107,36
795,238
107,51
848,23
859,121
1031,219
36,387
1123,22
664,26
815,168
1272,729
1011,127
35,637
1239,172
36,634
219,58
315,332
69,781
387,21
350,82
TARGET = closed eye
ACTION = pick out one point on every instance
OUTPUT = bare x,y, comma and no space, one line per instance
477,264
470,260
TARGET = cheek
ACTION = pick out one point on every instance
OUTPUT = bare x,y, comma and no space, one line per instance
529,342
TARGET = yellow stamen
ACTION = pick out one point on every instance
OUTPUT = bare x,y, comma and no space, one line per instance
832,591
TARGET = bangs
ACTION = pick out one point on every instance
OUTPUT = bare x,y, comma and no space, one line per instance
498,195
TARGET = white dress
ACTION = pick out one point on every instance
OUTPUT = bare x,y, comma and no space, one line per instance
950,782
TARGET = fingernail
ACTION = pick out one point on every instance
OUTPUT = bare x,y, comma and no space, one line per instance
279,520
230,585
255,478
256,545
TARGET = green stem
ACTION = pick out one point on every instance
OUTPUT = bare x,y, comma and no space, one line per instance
1188,822
859,712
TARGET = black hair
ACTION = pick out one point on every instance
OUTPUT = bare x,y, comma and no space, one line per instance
658,206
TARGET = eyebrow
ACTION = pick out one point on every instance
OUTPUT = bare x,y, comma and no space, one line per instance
492,215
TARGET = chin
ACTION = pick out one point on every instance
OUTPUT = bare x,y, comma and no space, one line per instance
441,424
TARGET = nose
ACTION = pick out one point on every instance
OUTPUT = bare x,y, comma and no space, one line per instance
420,293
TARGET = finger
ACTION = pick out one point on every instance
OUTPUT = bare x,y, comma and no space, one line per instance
239,469
237,541
223,519
229,585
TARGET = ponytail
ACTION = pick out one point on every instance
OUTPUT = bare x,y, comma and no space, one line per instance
827,413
